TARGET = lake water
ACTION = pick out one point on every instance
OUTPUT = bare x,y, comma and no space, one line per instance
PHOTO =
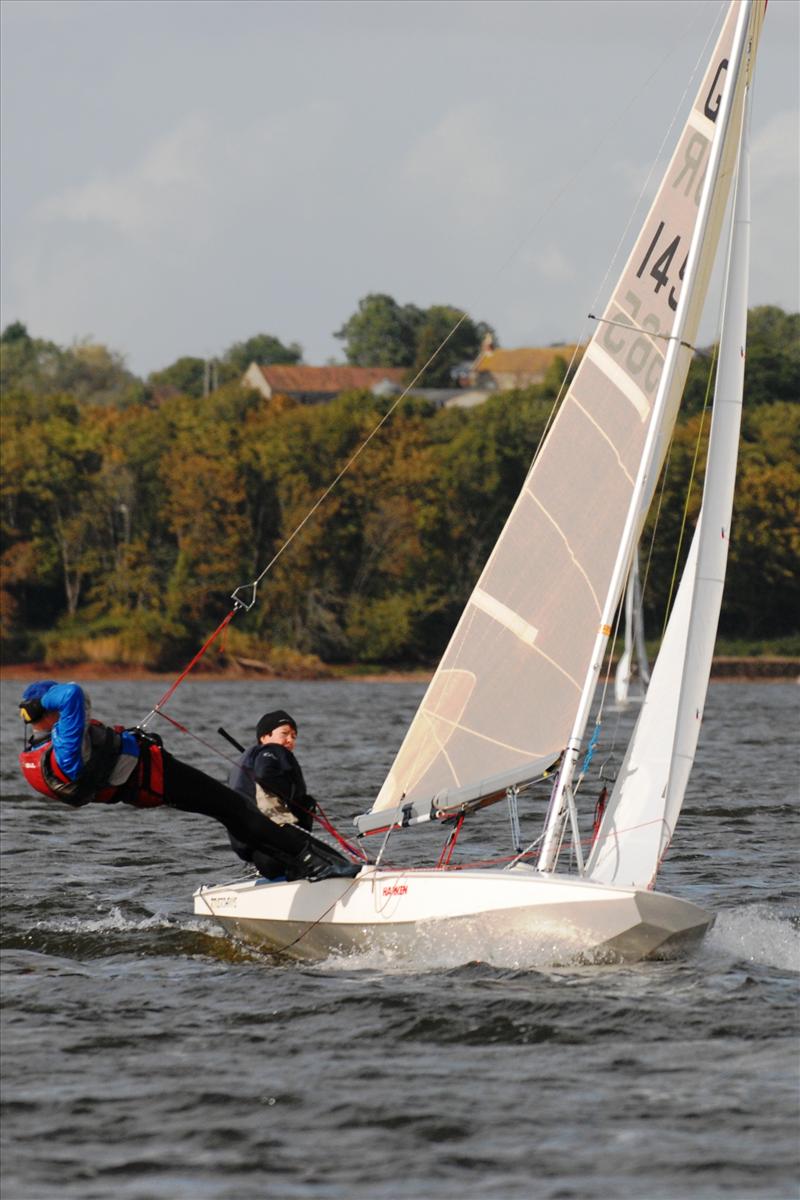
146,1056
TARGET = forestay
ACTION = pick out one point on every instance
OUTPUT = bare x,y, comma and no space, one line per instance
506,693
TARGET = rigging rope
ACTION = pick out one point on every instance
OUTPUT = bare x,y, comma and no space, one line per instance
589,755
591,316
324,820
239,601
597,145
700,61
253,586
169,692
328,825
649,333
450,845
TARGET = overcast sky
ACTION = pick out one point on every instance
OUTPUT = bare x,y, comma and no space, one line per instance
178,175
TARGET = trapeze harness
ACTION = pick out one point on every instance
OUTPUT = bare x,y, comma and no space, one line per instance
144,788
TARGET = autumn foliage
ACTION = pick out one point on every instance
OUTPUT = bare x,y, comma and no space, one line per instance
128,518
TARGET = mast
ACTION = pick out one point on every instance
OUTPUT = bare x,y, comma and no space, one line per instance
647,797
718,492
562,802
634,646
622,678
638,625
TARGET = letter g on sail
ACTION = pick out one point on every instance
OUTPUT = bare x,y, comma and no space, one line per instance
715,92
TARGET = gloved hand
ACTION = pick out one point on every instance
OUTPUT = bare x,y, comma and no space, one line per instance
142,736
31,710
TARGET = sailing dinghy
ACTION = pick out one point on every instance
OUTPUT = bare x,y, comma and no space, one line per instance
510,701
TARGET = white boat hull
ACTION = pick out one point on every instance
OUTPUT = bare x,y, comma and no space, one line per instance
547,918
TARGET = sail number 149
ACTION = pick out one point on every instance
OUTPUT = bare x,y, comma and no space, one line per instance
662,264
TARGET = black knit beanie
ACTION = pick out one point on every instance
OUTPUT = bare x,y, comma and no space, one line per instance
272,720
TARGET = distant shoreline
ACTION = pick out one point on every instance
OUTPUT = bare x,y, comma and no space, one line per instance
765,669
97,672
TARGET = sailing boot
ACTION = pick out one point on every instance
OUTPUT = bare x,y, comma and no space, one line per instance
319,861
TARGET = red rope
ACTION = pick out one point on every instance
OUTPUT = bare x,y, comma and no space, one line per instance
443,862
327,824
319,814
182,728
222,625
599,810
330,828
450,845
446,855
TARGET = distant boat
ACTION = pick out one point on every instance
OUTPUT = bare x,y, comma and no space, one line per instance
633,670
509,704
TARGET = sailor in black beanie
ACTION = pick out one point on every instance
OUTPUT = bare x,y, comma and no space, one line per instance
269,774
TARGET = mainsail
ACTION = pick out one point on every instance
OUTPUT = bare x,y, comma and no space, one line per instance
509,687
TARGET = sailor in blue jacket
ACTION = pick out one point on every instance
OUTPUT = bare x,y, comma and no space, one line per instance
70,755
75,759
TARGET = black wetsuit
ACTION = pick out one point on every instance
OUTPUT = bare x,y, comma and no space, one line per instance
190,790
278,772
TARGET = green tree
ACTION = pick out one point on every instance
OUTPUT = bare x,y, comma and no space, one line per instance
382,333
139,550
762,592
762,596
772,366
28,364
205,504
87,371
452,337
187,376
480,459
15,332
51,492
386,334
91,372
262,348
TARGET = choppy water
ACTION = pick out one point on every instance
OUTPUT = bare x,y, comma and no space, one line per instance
148,1057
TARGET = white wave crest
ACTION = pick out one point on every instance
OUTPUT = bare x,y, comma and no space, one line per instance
756,934
115,921
435,949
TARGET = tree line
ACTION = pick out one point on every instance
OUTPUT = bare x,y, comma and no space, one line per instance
129,513
381,333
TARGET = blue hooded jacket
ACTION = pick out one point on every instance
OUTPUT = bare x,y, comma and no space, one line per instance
71,747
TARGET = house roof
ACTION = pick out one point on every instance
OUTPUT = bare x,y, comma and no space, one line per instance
289,379
528,360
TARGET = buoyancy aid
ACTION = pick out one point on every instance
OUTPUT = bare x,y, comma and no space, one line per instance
43,773
148,778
